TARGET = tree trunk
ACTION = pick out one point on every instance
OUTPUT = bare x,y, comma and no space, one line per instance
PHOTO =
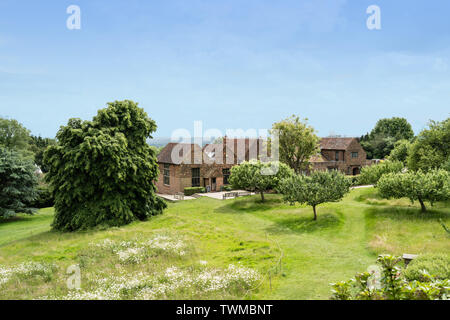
262,196
315,214
422,205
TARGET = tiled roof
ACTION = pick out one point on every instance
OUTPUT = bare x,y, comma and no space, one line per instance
229,149
194,153
335,143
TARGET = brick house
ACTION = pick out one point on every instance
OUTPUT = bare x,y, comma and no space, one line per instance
344,154
189,165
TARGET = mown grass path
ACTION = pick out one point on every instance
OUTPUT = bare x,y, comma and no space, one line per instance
344,240
24,226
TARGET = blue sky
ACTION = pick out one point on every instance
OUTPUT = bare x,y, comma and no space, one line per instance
230,63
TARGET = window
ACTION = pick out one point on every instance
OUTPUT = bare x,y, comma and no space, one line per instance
354,154
166,174
226,175
336,156
196,177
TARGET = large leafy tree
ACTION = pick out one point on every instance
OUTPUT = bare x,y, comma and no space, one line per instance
297,142
419,186
315,189
258,176
13,135
431,149
381,140
398,128
103,171
18,183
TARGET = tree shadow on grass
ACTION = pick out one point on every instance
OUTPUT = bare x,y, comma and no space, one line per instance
15,219
306,224
406,213
249,204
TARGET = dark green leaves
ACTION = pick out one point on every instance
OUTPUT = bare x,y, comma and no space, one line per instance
18,183
103,171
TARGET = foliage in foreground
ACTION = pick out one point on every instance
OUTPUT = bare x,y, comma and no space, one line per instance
103,171
371,174
419,186
18,183
159,267
437,265
317,188
258,176
391,284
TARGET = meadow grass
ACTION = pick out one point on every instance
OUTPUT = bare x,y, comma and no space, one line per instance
296,257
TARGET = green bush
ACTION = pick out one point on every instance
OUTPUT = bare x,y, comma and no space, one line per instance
226,188
446,165
437,265
354,180
371,174
192,190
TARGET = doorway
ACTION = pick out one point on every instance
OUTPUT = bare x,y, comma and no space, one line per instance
213,184
206,184
355,171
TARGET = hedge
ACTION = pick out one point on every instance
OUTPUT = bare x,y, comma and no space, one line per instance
191,190
226,188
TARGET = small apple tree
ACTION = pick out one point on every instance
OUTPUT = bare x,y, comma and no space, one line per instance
431,186
258,176
317,188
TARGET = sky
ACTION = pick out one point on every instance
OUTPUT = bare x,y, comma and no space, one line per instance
228,63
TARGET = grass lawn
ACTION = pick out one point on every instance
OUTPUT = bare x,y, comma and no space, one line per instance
296,257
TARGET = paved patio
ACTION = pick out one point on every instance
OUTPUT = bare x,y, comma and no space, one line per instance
219,195
171,197
214,195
